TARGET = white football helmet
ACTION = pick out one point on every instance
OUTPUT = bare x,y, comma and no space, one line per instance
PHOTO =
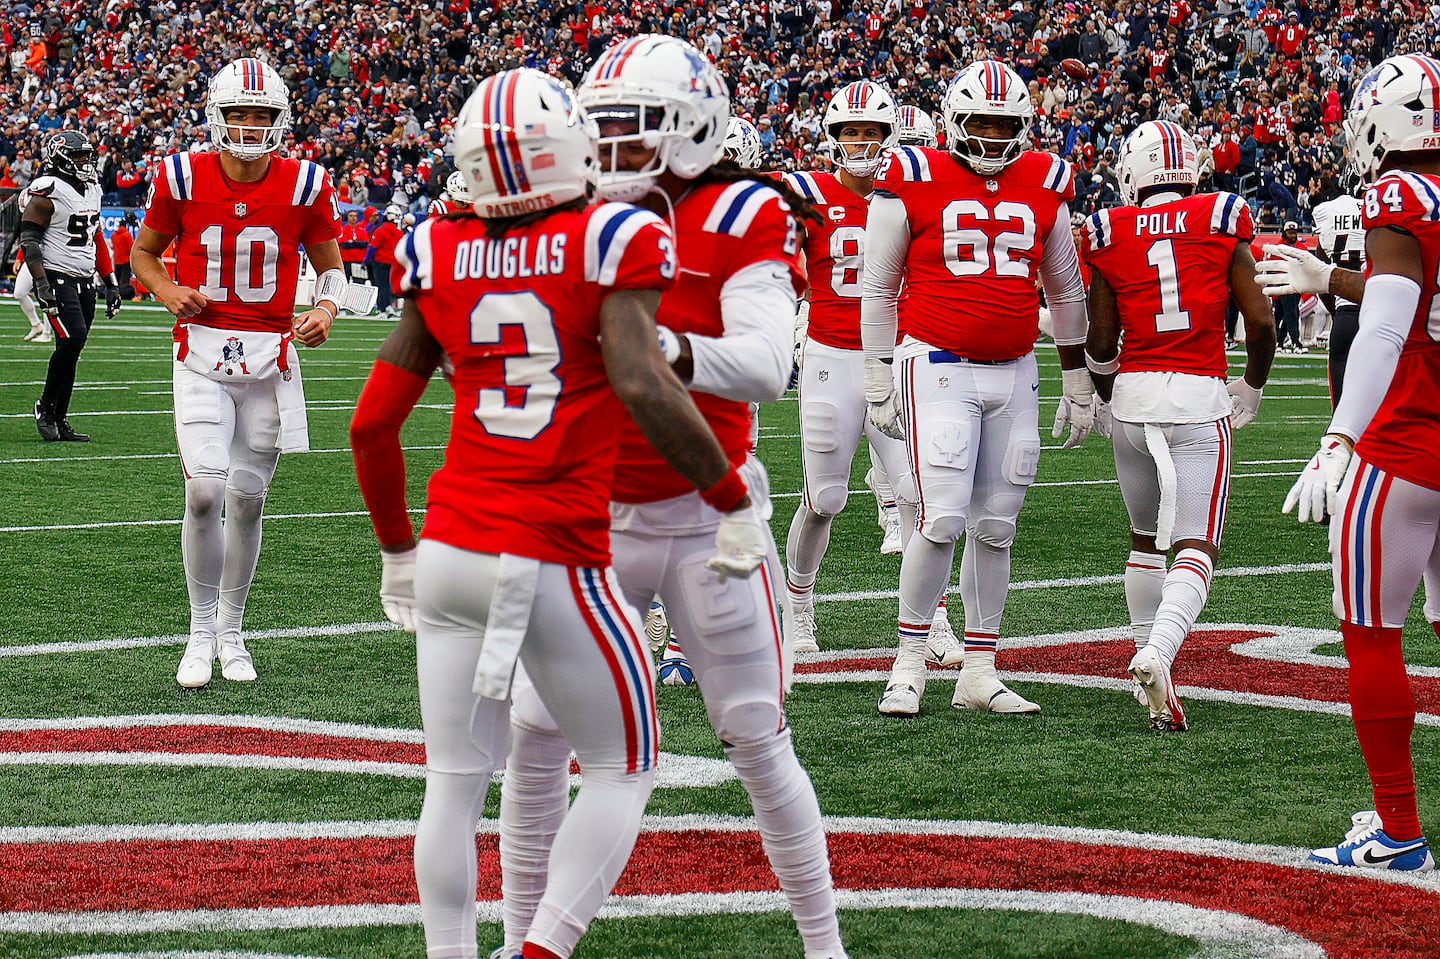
676,101
917,128
742,143
457,189
1396,108
395,214
987,88
247,83
523,145
861,102
1156,153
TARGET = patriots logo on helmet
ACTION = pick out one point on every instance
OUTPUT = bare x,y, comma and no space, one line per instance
698,66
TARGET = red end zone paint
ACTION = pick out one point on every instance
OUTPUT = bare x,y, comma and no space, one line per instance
224,740
1205,660
1352,915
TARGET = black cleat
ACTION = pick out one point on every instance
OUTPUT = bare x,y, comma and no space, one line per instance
68,434
1164,724
45,423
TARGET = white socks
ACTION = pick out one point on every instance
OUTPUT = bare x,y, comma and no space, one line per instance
202,548
1144,580
533,803
1183,596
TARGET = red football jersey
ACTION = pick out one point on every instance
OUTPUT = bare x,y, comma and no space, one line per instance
443,207
975,247
834,257
239,243
720,229
1404,436
534,430
1169,265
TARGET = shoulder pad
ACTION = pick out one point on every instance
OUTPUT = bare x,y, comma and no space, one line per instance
737,206
310,179
607,234
911,163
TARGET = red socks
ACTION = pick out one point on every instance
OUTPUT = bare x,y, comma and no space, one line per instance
1384,714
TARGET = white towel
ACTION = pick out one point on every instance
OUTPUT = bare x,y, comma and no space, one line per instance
506,626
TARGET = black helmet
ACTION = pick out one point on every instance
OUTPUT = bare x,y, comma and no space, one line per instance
131,219
70,154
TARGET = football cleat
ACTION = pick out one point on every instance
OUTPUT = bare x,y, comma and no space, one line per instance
802,630
942,647
45,423
1151,672
657,626
1368,846
906,683
198,663
68,435
235,662
981,689
891,544
675,668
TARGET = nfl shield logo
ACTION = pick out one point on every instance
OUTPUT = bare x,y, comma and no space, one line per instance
239,209
992,186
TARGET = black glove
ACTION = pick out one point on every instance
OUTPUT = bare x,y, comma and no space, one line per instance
112,301
45,296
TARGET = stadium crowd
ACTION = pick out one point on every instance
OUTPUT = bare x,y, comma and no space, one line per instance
1261,85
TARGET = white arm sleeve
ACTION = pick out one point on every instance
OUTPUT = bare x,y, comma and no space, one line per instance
1385,317
751,361
1064,290
887,244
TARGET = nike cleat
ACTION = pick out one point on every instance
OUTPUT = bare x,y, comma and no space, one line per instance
1368,846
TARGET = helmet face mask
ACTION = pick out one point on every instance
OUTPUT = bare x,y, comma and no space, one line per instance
654,93
856,104
987,90
246,85
70,154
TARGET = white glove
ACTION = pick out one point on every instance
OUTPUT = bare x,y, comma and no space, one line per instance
740,544
397,588
1316,491
1075,408
883,405
1244,402
1288,269
1104,422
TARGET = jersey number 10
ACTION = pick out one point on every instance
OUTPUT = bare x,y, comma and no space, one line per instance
251,244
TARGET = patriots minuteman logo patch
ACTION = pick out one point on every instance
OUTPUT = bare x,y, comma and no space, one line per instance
232,354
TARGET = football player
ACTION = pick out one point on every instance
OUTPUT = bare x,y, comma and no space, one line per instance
742,143
1377,467
24,284
64,248
917,128
1162,270
455,198
545,305
239,217
968,232
861,127
725,328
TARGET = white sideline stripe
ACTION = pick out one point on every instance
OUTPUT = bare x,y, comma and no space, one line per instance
115,384
320,406
278,724
179,639
161,456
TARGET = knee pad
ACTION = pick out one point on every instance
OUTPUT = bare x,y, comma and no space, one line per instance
992,531
946,529
829,499
246,484
905,489
528,712
748,722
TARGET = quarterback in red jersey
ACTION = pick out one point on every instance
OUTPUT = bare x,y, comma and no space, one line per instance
545,307
239,217
860,126
1163,270
968,232
726,327
1375,472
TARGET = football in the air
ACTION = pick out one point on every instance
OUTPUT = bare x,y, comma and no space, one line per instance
1075,69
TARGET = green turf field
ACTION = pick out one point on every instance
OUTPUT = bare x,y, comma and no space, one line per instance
1077,834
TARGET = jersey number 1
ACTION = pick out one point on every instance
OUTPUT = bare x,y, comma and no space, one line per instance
1171,318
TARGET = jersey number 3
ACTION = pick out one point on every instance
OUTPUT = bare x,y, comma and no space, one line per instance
520,330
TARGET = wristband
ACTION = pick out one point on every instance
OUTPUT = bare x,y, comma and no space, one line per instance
669,344
726,494
1111,365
